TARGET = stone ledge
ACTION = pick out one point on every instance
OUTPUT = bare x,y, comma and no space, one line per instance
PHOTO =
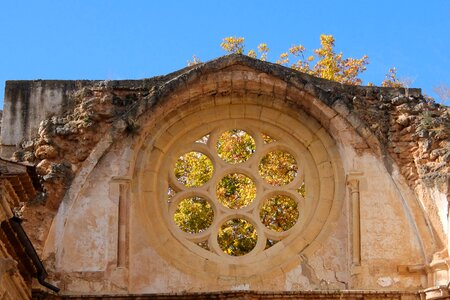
438,292
248,295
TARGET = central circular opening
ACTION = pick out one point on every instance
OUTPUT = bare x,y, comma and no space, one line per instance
235,191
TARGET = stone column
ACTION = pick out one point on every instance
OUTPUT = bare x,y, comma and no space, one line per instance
353,184
120,191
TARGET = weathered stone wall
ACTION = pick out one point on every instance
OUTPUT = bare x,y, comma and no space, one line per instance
326,268
27,103
388,149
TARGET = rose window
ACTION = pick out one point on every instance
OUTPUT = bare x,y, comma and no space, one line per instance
234,192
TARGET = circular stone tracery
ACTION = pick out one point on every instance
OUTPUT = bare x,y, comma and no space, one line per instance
247,187
316,187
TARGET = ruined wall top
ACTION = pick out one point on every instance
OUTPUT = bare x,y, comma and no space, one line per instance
396,116
27,103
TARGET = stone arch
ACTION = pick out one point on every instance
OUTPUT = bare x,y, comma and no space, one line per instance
233,84
327,178
324,128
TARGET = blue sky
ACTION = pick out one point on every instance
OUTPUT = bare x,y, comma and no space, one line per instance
101,39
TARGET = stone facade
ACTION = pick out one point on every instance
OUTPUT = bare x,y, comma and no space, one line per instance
19,262
375,162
